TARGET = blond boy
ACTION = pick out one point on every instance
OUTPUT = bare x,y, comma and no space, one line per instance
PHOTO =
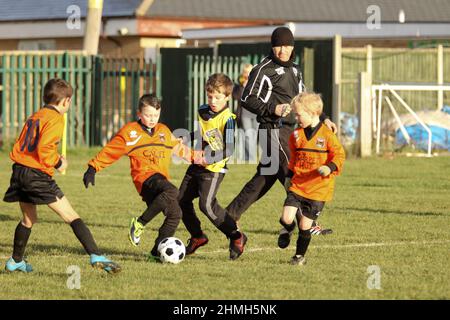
316,159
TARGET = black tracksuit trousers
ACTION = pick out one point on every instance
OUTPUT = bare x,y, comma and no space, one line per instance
161,195
273,166
201,183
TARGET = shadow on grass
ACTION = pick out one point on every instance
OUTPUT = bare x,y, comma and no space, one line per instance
384,211
197,257
4,217
271,232
370,185
18,216
58,250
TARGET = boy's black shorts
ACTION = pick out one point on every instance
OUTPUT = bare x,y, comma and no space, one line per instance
31,186
309,208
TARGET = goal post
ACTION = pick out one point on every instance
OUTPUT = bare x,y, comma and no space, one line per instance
377,95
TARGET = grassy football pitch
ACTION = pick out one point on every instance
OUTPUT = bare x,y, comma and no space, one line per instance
392,214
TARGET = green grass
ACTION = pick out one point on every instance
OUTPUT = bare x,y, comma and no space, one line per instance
391,213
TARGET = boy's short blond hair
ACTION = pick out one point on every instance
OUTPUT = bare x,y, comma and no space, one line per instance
219,82
308,101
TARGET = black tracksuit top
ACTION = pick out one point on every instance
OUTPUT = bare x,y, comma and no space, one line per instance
270,83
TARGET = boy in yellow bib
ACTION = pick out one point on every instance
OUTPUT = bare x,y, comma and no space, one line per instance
203,179
316,159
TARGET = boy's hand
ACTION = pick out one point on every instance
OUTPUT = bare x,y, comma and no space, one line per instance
283,109
201,161
324,171
89,177
64,164
204,163
198,157
331,125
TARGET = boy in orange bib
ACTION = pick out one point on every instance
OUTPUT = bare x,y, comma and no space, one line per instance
149,144
35,156
317,157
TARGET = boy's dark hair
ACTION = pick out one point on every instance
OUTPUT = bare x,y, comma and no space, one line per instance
56,90
149,100
219,82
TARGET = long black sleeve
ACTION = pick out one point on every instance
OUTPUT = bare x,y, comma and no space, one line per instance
255,92
271,83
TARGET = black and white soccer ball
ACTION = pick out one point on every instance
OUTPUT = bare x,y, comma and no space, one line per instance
171,250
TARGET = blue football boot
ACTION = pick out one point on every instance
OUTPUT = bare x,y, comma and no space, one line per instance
103,263
22,266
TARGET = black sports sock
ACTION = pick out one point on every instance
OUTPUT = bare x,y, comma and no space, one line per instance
229,228
172,220
84,236
304,237
192,224
235,235
154,252
168,227
21,236
288,227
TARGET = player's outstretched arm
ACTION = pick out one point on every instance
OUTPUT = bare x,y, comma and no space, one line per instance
181,150
110,153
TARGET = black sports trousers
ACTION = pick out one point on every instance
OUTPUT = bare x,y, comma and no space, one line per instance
161,195
201,183
273,166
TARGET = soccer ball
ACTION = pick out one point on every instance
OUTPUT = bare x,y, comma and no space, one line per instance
171,250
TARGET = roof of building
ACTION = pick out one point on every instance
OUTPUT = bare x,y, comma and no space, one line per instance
303,10
32,10
264,11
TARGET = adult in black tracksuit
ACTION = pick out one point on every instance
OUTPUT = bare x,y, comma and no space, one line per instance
271,86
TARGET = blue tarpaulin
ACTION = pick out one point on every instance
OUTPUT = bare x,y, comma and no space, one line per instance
419,136
440,138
